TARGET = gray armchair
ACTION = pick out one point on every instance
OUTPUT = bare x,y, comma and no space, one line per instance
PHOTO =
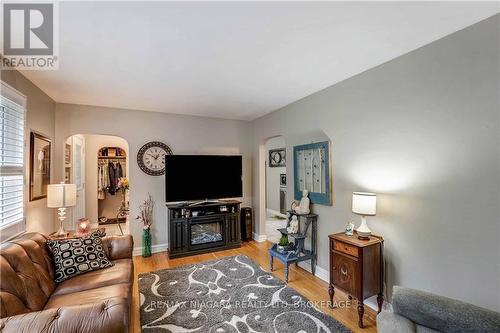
417,311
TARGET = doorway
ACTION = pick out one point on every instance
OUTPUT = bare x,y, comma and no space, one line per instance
276,187
99,166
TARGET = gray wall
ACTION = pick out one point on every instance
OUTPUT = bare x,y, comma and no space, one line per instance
273,176
422,131
184,135
40,117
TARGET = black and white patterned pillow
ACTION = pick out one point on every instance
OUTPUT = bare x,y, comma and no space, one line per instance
76,256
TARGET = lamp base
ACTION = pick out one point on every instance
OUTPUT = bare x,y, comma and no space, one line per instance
363,237
363,231
62,216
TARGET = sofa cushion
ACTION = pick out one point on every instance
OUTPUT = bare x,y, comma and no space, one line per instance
118,291
76,256
443,314
389,322
118,247
424,329
120,272
110,316
26,275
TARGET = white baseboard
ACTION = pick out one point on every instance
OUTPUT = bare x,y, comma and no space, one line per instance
154,249
259,238
272,212
320,272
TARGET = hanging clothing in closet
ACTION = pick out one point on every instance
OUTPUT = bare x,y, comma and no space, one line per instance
107,180
102,180
113,179
119,171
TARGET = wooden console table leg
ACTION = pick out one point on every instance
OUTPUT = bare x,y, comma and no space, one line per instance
380,301
286,272
361,312
331,292
271,263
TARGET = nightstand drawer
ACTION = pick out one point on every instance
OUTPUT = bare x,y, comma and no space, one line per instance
345,273
345,248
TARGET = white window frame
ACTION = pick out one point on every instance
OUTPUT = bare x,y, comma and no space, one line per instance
12,230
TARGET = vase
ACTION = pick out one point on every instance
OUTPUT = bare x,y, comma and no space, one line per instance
146,243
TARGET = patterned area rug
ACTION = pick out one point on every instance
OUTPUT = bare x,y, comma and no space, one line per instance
231,294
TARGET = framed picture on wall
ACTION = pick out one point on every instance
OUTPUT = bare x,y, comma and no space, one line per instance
312,172
39,165
282,179
277,158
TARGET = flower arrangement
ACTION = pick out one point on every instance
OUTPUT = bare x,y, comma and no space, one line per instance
123,183
146,212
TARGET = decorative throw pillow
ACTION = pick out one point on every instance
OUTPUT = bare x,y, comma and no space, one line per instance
76,256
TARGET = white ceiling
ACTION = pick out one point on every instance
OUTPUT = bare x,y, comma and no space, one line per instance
233,60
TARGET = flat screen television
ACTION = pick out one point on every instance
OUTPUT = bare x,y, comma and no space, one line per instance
201,177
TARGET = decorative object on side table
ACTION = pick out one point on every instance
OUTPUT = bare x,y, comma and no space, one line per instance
293,228
297,252
82,227
364,204
146,218
283,244
357,268
61,196
312,172
303,206
349,229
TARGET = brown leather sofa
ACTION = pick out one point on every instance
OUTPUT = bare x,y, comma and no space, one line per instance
30,300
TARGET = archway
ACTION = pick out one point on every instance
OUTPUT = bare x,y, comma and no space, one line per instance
272,188
276,191
94,162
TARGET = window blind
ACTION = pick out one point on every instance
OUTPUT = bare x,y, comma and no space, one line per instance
12,118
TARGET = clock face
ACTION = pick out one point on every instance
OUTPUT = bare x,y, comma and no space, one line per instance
151,158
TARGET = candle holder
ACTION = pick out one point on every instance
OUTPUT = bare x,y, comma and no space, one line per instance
82,227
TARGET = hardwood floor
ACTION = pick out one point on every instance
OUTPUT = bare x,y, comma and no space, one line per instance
306,284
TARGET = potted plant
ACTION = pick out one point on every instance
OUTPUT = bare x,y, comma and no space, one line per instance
283,243
146,218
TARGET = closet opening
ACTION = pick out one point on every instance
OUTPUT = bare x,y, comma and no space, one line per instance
112,187
99,166
275,187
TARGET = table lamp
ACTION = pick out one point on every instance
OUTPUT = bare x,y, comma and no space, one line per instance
61,196
364,204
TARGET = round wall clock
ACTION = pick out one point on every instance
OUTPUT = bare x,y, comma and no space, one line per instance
151,158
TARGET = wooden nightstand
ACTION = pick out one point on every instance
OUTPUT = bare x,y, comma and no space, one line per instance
356,267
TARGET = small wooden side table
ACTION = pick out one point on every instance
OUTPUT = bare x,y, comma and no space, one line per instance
72,234
356,267
300,253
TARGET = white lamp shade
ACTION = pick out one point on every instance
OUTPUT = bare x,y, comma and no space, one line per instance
61,195
364,203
